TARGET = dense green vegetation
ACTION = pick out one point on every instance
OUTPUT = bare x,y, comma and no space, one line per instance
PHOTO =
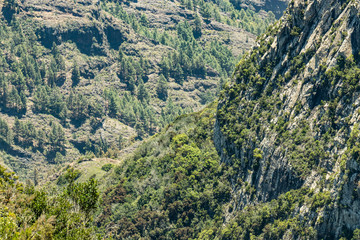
29,213
172,187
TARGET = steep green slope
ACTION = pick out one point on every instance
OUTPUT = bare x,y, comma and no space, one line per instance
287,135
172,187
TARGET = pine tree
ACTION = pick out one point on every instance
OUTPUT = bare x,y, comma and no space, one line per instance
143,94
57,137
197,27
165,67
162,88
121,55
75,74
51,78
178,74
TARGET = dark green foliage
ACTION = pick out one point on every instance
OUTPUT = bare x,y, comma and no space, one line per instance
15,101
75,74
162,88
57,137
51,101
132,72
6,134
78,106
143,94
84,194
235,14
197,29
130,110
171,111
272,220
39,203
185,185
107,167
9,8
191,57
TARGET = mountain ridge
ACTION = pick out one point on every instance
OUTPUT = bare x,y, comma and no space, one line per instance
313,53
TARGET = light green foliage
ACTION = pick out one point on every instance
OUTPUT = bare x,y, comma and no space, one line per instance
356,235
26,213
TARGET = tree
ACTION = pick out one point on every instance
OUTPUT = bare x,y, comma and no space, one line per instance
51,78
143,94
5,132
78,105
86,194
165,67
197,31
144,21
36,177
75,74
57,136
162,88
9,9
178,74
39,204
206,11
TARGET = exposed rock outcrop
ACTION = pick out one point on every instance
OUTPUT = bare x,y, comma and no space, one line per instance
289,120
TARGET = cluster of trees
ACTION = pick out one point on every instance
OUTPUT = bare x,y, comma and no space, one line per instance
6,133
27,212
32,78
224,11
27,135
12,99
132,111
190,57
139,114
133,73
75,106
227,12
23,75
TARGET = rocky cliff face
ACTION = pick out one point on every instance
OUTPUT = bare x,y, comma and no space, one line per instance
290,118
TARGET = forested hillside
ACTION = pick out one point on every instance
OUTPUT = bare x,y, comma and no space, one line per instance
94,77
275,158
275,155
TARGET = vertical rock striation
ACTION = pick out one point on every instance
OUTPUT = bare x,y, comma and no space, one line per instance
290,117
